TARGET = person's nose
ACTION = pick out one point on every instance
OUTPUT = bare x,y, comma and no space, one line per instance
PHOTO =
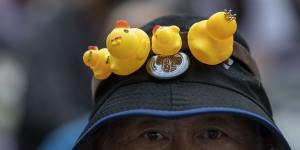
183,144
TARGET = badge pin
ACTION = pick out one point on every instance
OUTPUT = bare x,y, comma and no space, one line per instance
228,63
169,66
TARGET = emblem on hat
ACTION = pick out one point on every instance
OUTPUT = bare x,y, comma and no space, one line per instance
166,67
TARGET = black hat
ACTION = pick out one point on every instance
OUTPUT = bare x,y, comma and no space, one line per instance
231,87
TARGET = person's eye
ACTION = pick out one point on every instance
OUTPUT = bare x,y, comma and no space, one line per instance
153,136
213,134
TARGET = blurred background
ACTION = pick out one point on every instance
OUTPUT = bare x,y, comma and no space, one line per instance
45,88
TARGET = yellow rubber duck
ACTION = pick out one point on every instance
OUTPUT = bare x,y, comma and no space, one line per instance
211,41
129,48
166,40
98,61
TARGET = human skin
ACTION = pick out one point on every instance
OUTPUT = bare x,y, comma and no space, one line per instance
204,132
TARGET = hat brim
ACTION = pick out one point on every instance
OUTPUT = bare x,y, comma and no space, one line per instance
176,100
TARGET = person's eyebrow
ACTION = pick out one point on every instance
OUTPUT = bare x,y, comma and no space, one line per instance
148,122
216,120
227,123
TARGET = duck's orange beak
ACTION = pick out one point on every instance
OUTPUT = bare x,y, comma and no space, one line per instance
116,41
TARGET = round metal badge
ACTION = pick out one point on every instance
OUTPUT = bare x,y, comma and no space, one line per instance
169,66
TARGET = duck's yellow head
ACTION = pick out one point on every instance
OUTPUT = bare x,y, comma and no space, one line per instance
91,56
98,61
94,58
222,25
122,42
166,40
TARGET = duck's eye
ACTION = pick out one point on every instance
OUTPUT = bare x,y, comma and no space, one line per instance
126,31
90,54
